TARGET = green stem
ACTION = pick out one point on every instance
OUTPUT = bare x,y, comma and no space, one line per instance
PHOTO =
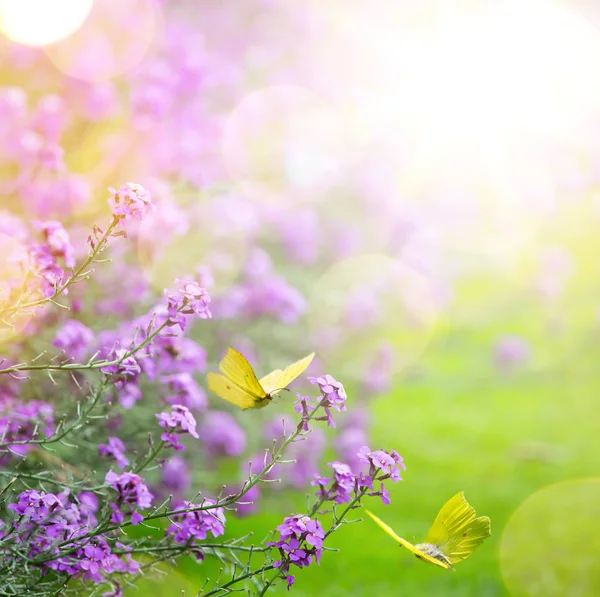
55,438
76,274
151,456
87,366
237,579
43,479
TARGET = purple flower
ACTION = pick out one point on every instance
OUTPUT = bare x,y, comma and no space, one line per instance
510,352
36,506
300,539
58,241
50,274
176,475
183,389
74,338
45,521
190,299
344,482
222,435
131,202
305,407
347,443
197,524
131,493
387,463
116,449
23,421
129,394
385,495
124,370
116,591
334,395
179,355
179,420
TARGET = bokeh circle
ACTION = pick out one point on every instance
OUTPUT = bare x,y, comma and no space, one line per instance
367,302
110,42
550,546
283,143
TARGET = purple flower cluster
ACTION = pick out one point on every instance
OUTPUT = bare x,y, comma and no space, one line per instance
196,524
179,420
21,421
190,299
124,369
343,484
58,242
300,540
48,271
176,477
346,484
115,449
74,338
262,294
131,202
387,463
333,396
183,389
131,493
222,435
44,257
46,521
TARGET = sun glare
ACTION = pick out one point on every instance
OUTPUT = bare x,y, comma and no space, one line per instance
476,101
516,67
42,22
523,67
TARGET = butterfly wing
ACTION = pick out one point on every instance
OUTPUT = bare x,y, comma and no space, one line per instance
223,388
463,544
405,543
239,372
291,372
271,381
456,531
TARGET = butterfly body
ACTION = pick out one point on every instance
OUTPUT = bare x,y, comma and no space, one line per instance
453,537
433,552
239,385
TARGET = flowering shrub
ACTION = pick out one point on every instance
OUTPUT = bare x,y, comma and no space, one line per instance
79,532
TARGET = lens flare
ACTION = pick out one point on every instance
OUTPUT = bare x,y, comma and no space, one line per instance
474,105
39,22
110,42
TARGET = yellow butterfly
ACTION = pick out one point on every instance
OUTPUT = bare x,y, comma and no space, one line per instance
240,386
453,537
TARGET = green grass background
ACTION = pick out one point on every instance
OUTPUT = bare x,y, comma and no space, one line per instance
461,426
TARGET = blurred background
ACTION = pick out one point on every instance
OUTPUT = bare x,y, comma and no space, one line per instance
411,189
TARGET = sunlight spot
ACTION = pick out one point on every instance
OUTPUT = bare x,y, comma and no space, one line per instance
42,22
